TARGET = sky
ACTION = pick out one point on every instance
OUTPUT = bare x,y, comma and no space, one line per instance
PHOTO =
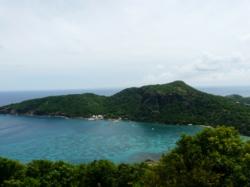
83,44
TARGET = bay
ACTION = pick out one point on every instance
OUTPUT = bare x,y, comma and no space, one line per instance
27,138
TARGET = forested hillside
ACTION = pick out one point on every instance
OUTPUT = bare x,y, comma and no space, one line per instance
173,103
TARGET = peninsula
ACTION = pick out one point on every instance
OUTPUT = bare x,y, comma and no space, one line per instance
172,103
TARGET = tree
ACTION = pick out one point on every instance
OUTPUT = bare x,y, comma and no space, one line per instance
213,157
10,169
100,174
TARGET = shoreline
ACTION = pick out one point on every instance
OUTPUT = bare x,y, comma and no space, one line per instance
103,118
109,119
206,126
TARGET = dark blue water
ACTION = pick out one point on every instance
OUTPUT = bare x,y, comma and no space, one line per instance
78,140
9,97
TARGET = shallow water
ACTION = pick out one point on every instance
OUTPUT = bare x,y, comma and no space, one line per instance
77,140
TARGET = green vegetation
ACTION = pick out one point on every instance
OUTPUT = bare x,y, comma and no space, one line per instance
173,103
240,99
215,157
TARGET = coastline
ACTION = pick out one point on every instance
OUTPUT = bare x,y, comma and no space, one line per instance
206,126
102,117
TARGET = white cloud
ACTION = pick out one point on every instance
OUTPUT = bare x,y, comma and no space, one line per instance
210,62
245,38
207,69
79,44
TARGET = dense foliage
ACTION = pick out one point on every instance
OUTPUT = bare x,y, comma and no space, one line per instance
215,157
173,103
240,99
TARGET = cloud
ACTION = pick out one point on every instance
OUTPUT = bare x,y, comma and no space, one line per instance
212,63
80,44
245,38
205,69
211,69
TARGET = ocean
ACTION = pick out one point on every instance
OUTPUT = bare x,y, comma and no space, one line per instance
9,97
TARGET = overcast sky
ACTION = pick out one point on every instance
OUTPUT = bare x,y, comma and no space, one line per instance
67,44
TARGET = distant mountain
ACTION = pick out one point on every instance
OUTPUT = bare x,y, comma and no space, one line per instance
173,103
240,99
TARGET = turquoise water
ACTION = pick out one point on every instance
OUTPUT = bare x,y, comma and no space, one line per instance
78,140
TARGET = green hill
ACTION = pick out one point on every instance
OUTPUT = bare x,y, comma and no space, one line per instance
173,103
240,99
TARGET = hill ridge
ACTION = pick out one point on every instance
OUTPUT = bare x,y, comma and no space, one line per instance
171,103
